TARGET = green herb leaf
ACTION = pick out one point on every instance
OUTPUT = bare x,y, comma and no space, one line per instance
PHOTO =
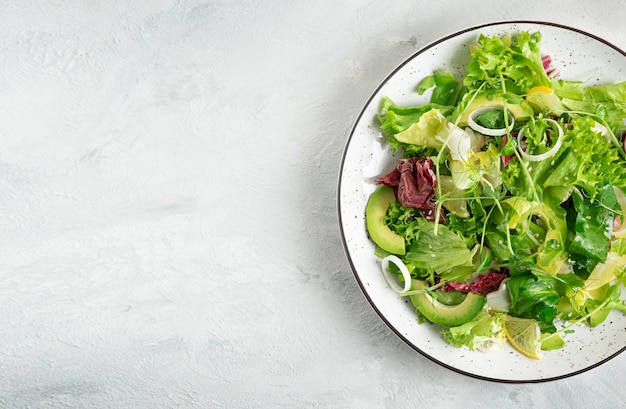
532,297
593,225
493,119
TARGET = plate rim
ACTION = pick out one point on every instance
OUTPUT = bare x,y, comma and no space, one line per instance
358,118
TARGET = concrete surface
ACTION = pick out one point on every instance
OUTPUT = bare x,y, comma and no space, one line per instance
168,229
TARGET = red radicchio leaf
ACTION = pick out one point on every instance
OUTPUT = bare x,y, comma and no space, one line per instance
414,182
551,71
483,284
505,159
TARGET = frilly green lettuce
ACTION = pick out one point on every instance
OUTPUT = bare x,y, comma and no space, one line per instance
513,64
481,333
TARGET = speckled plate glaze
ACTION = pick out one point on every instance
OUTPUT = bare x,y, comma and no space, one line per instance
578,56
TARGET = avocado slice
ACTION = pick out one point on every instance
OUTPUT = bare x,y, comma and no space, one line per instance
449,315
544,100
550,254
521,111
375,212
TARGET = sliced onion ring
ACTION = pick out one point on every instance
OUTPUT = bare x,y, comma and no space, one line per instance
487,131
555,148
390,280
499,300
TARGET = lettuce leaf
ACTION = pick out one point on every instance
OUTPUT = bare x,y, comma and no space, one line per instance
395,119
443,252
429,131
446,89
607,101
587,160
481,333
511,64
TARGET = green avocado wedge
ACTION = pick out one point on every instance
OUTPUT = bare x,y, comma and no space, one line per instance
442,314
521,111
375,212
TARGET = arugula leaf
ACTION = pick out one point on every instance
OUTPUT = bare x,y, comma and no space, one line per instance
567,282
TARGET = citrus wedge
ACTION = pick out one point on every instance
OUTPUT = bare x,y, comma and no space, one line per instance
541,90
524,335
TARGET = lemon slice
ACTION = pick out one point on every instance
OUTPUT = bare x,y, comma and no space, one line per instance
524,335
540,90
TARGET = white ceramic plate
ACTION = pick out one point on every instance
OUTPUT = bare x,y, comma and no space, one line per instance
578,56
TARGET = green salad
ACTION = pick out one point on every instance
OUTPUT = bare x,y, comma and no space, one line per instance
503,221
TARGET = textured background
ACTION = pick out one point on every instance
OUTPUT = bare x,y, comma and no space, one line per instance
168,230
